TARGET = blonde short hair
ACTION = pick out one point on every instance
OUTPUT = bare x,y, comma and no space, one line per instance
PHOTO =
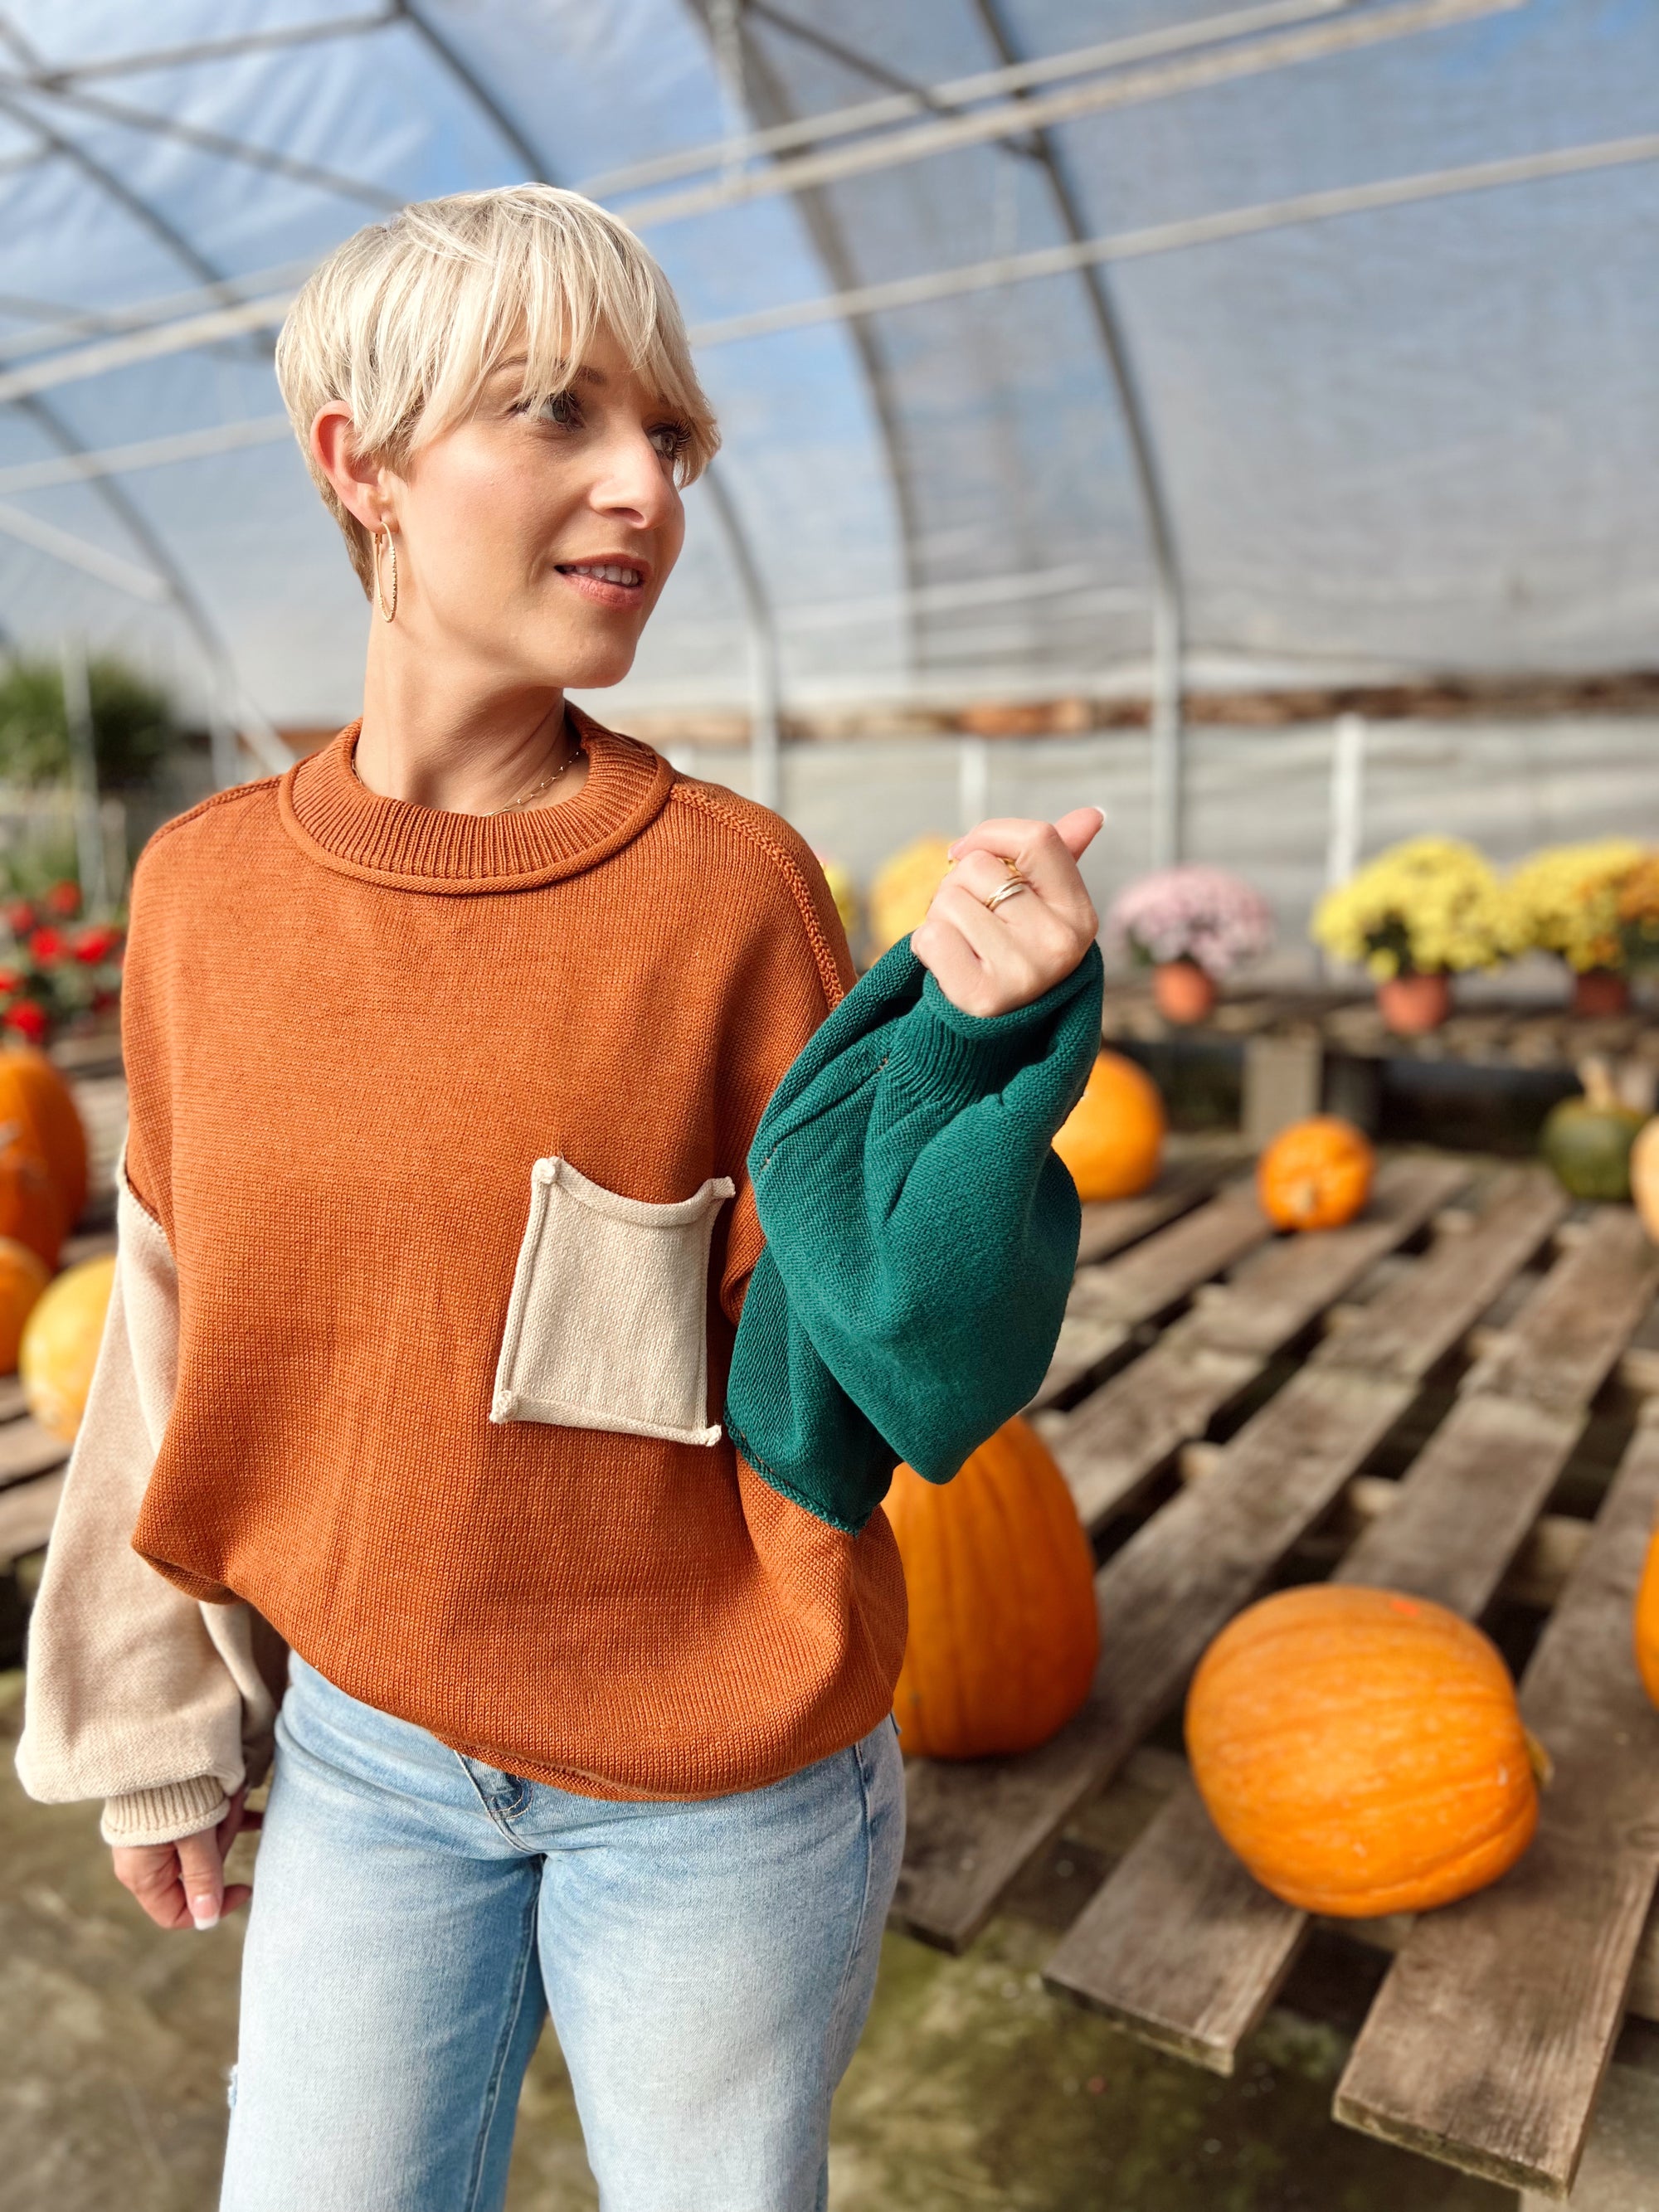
408,319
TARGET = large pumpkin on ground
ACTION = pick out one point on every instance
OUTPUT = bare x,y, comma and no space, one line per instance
30,1204
60,1346
1317,1174
1361,1751
1113,1139
23,1279
34,1097
1004,1634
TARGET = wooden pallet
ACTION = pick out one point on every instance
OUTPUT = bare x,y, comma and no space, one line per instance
1486,2045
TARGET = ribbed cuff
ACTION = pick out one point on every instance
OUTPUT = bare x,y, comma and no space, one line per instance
165,1813
956,1057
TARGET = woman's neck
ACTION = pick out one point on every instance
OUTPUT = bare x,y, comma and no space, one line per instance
461,749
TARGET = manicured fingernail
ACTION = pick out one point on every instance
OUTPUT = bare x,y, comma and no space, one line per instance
204,1913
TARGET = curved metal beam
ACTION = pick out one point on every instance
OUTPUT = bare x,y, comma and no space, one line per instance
764,666
1168,606
823,228
261,738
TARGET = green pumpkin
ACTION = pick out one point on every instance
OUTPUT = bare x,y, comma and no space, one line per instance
1587,1142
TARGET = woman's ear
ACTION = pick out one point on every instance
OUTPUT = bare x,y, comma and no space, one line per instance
359,481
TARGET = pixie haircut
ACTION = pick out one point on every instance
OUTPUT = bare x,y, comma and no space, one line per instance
406,321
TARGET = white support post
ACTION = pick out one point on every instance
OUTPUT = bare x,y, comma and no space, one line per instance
973,781
1347,804
83,774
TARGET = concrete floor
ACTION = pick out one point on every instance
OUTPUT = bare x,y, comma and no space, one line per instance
974,2088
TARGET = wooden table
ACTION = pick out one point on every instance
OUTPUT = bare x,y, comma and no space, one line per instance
1303,1049
1418,1387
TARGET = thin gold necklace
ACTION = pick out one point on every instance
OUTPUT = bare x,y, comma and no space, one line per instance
515,806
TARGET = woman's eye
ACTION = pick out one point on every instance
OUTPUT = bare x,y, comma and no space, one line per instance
561,407
670,439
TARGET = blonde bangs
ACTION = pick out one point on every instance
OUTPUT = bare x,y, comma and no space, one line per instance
406,321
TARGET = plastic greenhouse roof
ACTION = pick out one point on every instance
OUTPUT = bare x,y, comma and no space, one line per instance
1375,279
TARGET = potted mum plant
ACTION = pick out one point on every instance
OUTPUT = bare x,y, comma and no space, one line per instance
1565,900
1192,926
1636,907
1415,916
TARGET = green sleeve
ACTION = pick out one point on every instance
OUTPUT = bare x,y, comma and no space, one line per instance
921,1235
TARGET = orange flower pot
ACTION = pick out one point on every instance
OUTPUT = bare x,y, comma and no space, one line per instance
1600,993
1412,1005
1182,992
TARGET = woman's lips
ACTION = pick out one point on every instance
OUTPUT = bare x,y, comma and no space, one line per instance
605,583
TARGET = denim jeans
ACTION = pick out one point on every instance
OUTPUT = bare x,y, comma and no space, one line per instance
415,1915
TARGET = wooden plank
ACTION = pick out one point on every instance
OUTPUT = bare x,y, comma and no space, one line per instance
12,1401
27,1512
90,1244
1489,2038
1596,1297
1111,1224
26,1449
973,1826
1108,1302
1112,1443
1387,1337
1277,1298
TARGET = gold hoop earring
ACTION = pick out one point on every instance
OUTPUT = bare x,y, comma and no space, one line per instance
387,613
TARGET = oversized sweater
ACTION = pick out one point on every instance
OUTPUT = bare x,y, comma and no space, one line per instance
449,1213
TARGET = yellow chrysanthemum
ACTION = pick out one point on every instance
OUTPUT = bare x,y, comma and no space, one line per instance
1430,905
1565,899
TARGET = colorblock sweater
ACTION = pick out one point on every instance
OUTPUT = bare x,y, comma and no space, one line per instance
526,1293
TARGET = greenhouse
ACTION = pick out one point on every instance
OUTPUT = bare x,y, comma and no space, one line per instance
1234,416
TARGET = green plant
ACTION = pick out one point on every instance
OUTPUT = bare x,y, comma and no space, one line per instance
133,724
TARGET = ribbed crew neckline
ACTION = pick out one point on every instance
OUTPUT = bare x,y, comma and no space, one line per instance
336,819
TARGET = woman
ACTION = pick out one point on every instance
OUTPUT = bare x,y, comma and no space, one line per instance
524,1293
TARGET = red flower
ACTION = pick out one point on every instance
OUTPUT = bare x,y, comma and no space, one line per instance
19,916
47,945
28,1019
63,899
11,979
96,943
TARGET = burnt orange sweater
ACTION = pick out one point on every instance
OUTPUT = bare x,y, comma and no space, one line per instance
353,1027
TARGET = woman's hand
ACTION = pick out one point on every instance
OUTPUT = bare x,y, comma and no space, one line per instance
182,1885
989,963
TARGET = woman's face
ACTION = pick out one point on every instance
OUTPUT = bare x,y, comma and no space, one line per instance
538,541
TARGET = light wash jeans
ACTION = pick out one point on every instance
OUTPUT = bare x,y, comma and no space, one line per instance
709,1968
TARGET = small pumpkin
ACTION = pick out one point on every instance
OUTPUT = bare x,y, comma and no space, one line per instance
1646,1622
35,1096
60,1342
1644,1175
1588,1141
1362,1751
903,890
23,1278
30,1204
1317,1174
1113,1139
1003,1635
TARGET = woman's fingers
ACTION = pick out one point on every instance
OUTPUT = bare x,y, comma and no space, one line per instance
1007,836
989,959
202,1876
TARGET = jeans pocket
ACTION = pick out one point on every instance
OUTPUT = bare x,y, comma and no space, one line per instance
607,1327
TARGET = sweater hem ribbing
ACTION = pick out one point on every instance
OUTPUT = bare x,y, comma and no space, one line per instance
770,1476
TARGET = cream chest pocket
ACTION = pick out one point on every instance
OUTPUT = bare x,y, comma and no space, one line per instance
608,1324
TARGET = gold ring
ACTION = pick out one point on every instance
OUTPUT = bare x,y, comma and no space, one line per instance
1003,893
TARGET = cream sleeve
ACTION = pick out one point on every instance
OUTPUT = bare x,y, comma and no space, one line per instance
137,1693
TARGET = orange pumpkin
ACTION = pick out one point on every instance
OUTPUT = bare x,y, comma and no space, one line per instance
23,1277
1314,1175
1113,1139
1647,1622
31,1205
60,1346
34,1097
1004,1636
1362,1752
